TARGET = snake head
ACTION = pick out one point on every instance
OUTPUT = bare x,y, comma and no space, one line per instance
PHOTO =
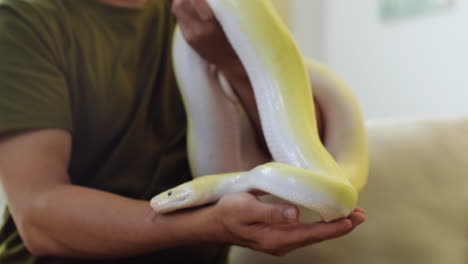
172,200
200,191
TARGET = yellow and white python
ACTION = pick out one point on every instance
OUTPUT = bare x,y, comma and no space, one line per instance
323,177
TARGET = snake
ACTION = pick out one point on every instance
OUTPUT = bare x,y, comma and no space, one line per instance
322,175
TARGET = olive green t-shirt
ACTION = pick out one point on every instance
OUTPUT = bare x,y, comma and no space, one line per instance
103,73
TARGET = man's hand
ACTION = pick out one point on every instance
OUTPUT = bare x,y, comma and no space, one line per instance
203,32
273,228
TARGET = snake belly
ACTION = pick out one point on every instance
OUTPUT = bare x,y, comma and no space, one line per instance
222,147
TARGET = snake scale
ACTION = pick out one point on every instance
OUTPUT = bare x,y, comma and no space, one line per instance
325,177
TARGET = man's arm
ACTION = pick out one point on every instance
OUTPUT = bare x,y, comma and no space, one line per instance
56,218
205,35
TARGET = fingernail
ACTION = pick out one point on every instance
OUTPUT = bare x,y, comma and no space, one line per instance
290,213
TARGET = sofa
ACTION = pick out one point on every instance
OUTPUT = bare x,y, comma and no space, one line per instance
416,201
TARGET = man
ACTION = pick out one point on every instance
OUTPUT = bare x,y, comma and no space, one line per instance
92,126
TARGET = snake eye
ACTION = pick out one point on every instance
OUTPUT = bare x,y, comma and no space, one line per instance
169,193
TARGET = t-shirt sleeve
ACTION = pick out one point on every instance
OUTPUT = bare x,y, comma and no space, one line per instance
33,87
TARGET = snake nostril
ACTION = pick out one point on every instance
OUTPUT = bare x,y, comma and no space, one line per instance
169,193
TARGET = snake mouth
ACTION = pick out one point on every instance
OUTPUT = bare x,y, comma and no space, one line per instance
164,203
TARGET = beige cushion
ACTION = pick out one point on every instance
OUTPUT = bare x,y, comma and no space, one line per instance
416,201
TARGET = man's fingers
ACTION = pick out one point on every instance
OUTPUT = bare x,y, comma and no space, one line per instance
258,212
359,210
185,10
274,214
357,217
299,234
283,238
317,232
324,231
204,11
196,10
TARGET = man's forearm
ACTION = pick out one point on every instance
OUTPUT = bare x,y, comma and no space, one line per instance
240,83
87,223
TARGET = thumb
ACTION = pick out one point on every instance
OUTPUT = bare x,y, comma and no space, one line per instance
274,213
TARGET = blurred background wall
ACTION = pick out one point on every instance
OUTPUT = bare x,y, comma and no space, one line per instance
413,67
